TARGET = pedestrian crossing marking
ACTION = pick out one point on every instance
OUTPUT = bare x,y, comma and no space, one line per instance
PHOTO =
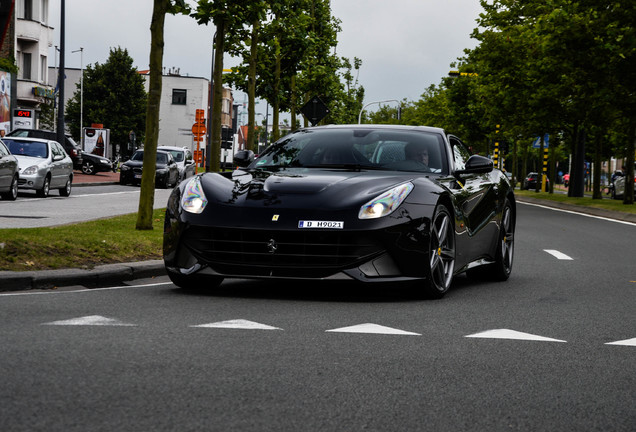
558,255
511,334
238,324
626,342
372,328
91,320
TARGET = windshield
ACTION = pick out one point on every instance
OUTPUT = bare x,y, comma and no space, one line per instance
177,155
378,149
162,158
28,148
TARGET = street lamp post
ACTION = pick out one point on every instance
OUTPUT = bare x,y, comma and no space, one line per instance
81,51
371,103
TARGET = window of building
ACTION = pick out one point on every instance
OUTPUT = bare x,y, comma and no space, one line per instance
26,66
44,67
28,9
179,96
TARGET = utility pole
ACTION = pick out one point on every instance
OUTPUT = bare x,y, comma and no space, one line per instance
60,79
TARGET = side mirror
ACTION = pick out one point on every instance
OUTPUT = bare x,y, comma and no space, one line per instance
243,158
476,165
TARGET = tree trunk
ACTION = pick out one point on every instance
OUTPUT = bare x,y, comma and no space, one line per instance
214,152
147,194
598,167
251,90
276,101
628,195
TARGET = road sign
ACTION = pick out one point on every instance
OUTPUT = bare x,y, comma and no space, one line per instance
546,142
198,129
315,110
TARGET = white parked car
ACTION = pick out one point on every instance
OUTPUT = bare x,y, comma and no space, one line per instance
183,157
43,164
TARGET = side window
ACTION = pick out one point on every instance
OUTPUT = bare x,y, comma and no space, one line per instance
3,150
460,152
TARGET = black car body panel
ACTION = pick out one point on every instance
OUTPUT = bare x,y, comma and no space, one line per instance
166,171
255,221
93,164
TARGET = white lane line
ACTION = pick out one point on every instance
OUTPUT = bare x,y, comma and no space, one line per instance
626,342
511,334
238,324
91,320
84,290
577,213
372,328
558,255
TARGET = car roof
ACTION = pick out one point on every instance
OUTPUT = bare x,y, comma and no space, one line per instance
379,126
171,148
28,139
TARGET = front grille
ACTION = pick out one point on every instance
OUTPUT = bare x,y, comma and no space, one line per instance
279,253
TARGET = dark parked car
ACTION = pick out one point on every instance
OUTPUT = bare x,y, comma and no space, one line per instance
530,182
92,164
360,203
167,173
9,173
70,146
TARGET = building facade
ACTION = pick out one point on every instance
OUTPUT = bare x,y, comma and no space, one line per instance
33,37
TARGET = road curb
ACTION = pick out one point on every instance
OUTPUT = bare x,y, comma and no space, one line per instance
100,276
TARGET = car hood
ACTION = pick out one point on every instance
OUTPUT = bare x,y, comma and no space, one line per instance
27,161
316,188
139,164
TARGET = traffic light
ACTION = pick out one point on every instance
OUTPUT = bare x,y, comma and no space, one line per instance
227,137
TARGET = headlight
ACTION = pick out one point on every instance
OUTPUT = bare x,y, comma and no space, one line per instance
193,199
124,168
104,161
30,170
385,204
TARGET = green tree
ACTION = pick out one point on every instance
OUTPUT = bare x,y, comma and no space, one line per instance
114,96
147,195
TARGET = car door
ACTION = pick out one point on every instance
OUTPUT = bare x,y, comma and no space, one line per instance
58,165
477,200
6,167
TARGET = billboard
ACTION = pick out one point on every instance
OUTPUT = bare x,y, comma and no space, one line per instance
5,102
96,141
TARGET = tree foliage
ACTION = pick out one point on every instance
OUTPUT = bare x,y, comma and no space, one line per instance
114,96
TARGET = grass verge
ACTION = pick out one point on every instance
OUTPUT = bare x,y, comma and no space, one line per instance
82,245
587,201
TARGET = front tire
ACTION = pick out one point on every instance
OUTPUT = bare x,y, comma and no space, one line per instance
441,265
44,192
88,168
66,190
195,282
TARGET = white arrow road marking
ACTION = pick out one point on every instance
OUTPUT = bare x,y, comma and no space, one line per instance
511,334
91,320
372,328
238,324
627,342
558,255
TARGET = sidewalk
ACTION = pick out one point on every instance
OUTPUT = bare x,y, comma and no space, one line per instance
81,179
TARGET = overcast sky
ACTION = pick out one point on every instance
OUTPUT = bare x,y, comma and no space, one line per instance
405,45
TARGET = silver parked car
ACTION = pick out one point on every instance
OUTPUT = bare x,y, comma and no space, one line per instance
8,174
617,187
44,165
183,157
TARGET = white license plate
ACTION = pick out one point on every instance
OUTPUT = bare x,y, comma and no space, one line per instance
321,224
137,176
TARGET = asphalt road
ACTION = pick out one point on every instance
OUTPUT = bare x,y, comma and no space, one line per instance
84,203
552,349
